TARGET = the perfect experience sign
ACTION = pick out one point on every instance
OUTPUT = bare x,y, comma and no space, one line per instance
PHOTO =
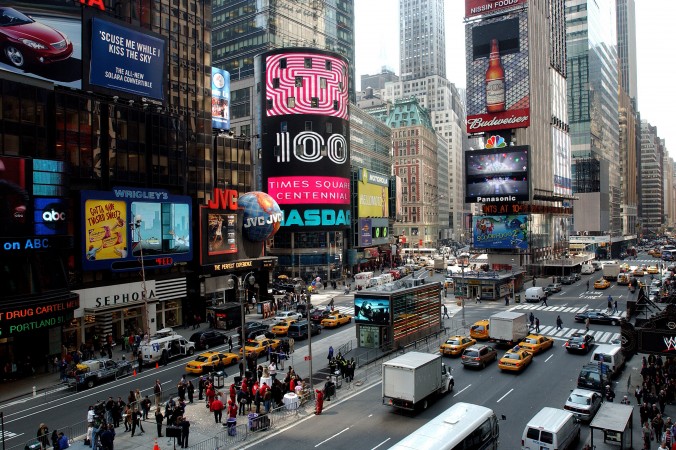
126,60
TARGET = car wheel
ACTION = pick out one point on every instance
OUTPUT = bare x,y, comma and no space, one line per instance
613,322
90,383
15,56
424,405
206,346
482,366
349,320
191,351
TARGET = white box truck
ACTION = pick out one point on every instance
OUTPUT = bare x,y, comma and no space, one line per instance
611,271
362,279
508,327
413,379
439,264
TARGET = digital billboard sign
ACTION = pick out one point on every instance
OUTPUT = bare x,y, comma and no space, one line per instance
373,232
488,7
118,225
497,175
305,163
500,232
498,83
372,310
124,59
220,99
42,39
372,191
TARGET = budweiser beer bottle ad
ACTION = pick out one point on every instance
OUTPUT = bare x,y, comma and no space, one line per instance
498,85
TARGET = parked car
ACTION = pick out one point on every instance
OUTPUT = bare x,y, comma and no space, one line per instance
554,287
567,280
478,356
205,340
579,343
583,403
597,317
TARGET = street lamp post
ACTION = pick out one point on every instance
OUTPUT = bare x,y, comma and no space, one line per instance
462,293
136,226
242,303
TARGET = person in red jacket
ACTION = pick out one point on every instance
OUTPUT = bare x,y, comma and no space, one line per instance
211,394
233,392
320,401
217,407
232,409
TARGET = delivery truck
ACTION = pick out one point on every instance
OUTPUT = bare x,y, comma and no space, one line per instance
611,271
508,327
439,264
412,380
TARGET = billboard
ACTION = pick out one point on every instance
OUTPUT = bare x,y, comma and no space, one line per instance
500,232
372,191
42,39
373,310
127,60
488,7
118,225
220,98
563,179
497,175
373,232
305,163
498,92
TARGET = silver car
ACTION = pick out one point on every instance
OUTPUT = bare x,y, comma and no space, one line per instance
583,403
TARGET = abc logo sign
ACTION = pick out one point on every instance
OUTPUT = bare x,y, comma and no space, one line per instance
53,216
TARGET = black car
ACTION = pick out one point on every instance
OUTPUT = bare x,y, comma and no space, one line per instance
577,276
580,343
317,315
254,328
205,340
567,280
597,317
593,377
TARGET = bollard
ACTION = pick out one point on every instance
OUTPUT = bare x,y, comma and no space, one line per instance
35,392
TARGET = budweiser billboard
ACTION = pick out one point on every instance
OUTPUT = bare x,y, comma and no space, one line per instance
486,7
498,91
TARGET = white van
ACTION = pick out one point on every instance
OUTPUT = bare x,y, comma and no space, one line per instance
611,355
587,269
361,280
535,294
551,428
166,344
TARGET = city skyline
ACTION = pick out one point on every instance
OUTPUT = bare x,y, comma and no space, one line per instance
378,46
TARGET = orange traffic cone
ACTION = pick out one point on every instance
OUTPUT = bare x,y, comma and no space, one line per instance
156,447
157,366
134,372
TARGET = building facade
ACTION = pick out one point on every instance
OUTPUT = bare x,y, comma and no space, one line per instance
652,180
422,39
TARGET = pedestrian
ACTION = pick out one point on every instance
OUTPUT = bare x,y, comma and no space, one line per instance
446,313
537,325
185,432
319,402
272,370
587,286
191,391
610,303
230,343
43,436
136,422
159,418
559,323
586,324
533,281
544,300
531,319
139,361
241,372
477,299
638,393
217,408
145,407
157,390
330,357
107,437
615,307
648,435
63,441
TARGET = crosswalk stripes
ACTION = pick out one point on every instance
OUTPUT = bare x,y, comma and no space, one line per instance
532,307
600,336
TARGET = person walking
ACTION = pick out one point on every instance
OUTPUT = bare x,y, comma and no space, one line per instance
136,422
477,299
157,390
330,356
230,343
610,303
159,418
107,437
43,436
217,408
185,432
586,324
537,325
531,319
445,315
544,301
559,323
587,286
615,307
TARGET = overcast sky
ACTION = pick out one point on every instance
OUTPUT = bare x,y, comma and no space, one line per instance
377,28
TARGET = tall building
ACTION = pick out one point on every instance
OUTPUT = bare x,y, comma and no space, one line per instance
626,46
377,81
652,182
243,29
422,39
593,112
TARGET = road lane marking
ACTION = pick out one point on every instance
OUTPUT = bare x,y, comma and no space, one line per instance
9,435
508,392
370,415
461,391
550,357
374,448
327,440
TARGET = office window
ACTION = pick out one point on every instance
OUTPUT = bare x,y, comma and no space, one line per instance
268,103
298,82
328,65
275,83
314,102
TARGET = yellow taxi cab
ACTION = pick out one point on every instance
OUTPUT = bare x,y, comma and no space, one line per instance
536,343
638,272
515,359
259,346
653,270
336,320
601,284
282,328
455,345
651,252
624,267
479,330
210,361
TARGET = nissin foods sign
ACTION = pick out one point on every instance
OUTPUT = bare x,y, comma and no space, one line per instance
305,163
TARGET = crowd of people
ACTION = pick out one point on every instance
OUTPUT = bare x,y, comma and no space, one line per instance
657,390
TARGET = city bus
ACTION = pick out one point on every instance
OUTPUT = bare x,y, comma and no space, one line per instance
462,426
417,253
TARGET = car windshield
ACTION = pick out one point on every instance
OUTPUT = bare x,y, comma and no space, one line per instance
471,353
512,356
10,16
453,341
577,339
478,328
530,341
202,358
579,399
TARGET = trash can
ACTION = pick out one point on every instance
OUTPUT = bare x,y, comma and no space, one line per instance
517,298
219,379
252,420
232,426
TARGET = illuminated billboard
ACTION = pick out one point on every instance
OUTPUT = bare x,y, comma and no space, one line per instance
374,310
127,60
497,175
373,232
489,7
372,191
305,163
121,224
42,39
500,232
220,99
498,91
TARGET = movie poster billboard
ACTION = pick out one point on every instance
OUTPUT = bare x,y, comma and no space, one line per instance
372,191
220,99
121,225
498,84
43,40
497,175
127,60
372,310
221,233
500,232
